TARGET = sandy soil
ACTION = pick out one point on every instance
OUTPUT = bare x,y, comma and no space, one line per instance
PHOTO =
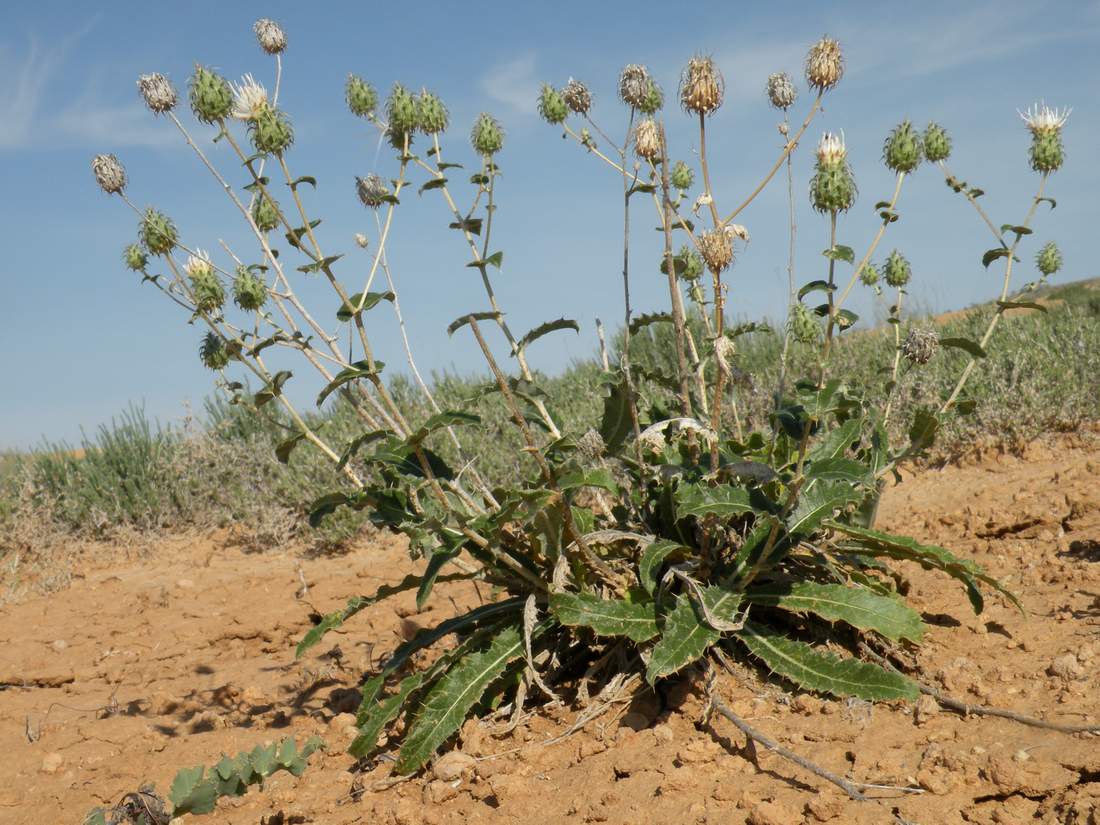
151,664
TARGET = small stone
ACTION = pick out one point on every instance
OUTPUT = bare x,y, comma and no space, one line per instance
635,721
773,813
663,733
825,807
59,645
185,584
342,727
453,765
925,709
52,762
1066,667
806,704
439,791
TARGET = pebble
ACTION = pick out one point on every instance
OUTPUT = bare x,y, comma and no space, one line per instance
52,762
452,766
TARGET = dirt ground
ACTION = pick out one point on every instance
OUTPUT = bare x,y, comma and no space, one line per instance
167,659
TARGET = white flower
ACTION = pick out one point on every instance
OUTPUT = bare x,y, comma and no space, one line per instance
198,264
249,98
1042,118
831,148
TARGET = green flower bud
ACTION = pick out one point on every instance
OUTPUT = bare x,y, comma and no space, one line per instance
896,272
271,131
1049,259
687,263
551,105
249,291
803,325
903,149
157,232
487,136
431,114
937,143
207,289
869,276
653,100
361,97
1045,123
265,213
212,352
833,187
682,177
402,115
135,258
211,96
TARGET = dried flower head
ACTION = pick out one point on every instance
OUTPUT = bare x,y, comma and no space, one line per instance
903,149
702,86
920,345
109,174
1049,259
551,105
158,92
937,143
361,240
487,136
361,97
1045,123
717,249
824,64
781,90
270,35
249,98
577,97
647,140
634,85
372,191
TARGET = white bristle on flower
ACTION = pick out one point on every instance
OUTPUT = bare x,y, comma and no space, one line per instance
1042,118
831,148
249,98
198,264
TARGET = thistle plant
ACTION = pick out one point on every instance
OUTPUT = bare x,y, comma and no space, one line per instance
649,538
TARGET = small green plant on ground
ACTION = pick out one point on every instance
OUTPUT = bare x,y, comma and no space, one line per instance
631,545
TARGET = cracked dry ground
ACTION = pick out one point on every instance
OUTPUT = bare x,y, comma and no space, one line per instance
188,652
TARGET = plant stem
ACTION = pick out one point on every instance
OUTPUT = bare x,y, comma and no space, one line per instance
896,319
874,244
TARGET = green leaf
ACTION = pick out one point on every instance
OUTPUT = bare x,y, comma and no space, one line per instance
459,323
648,318
645,188
839,469
993,254
445,706
273,389
545,329
820,502
815,286
434,183
699,500
312,181
605,617
855,606
685,635
1053,203
598,477
973,347
96,816
837,442
845,318
191,794
616,425
496,259
359,441
321,265
440,421
360,369
442,166
1021,305
651,560
378,715
1019,230
283,450
471,225
438,559
350,309
823,672
841,253
923,430
928,556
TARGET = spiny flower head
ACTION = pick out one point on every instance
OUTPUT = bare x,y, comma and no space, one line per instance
903,149
431,115
803,324
135,258
487,136
702,86
402,115
211,95
1045,123
372,191
249,98
1049,259
213,353
682,177
270,35
109,174
249,291
207,289
920,345
1042,118
577,97
833,187
265,213
869,275
687,263
781,90
824,64
198,263
157,232
551,105
831,148
896,271
634,85
158,92
361,97
271,131
654,99
937,143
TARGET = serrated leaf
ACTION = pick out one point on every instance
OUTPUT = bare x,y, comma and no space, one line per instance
445,706
434,183
648,318
928,556
350,309
605,617
839,469
815,670
820,502
284,449
380,714
993,254
597,477
724,501
855,606
965,344
836,442
360,369
841,253
431,573
685,635
546,329
651,560
1021,305
459,323
616,424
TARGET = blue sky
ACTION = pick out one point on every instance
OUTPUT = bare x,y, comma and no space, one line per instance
81,339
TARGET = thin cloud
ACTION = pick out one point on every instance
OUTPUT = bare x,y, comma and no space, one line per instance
513,83
20,98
